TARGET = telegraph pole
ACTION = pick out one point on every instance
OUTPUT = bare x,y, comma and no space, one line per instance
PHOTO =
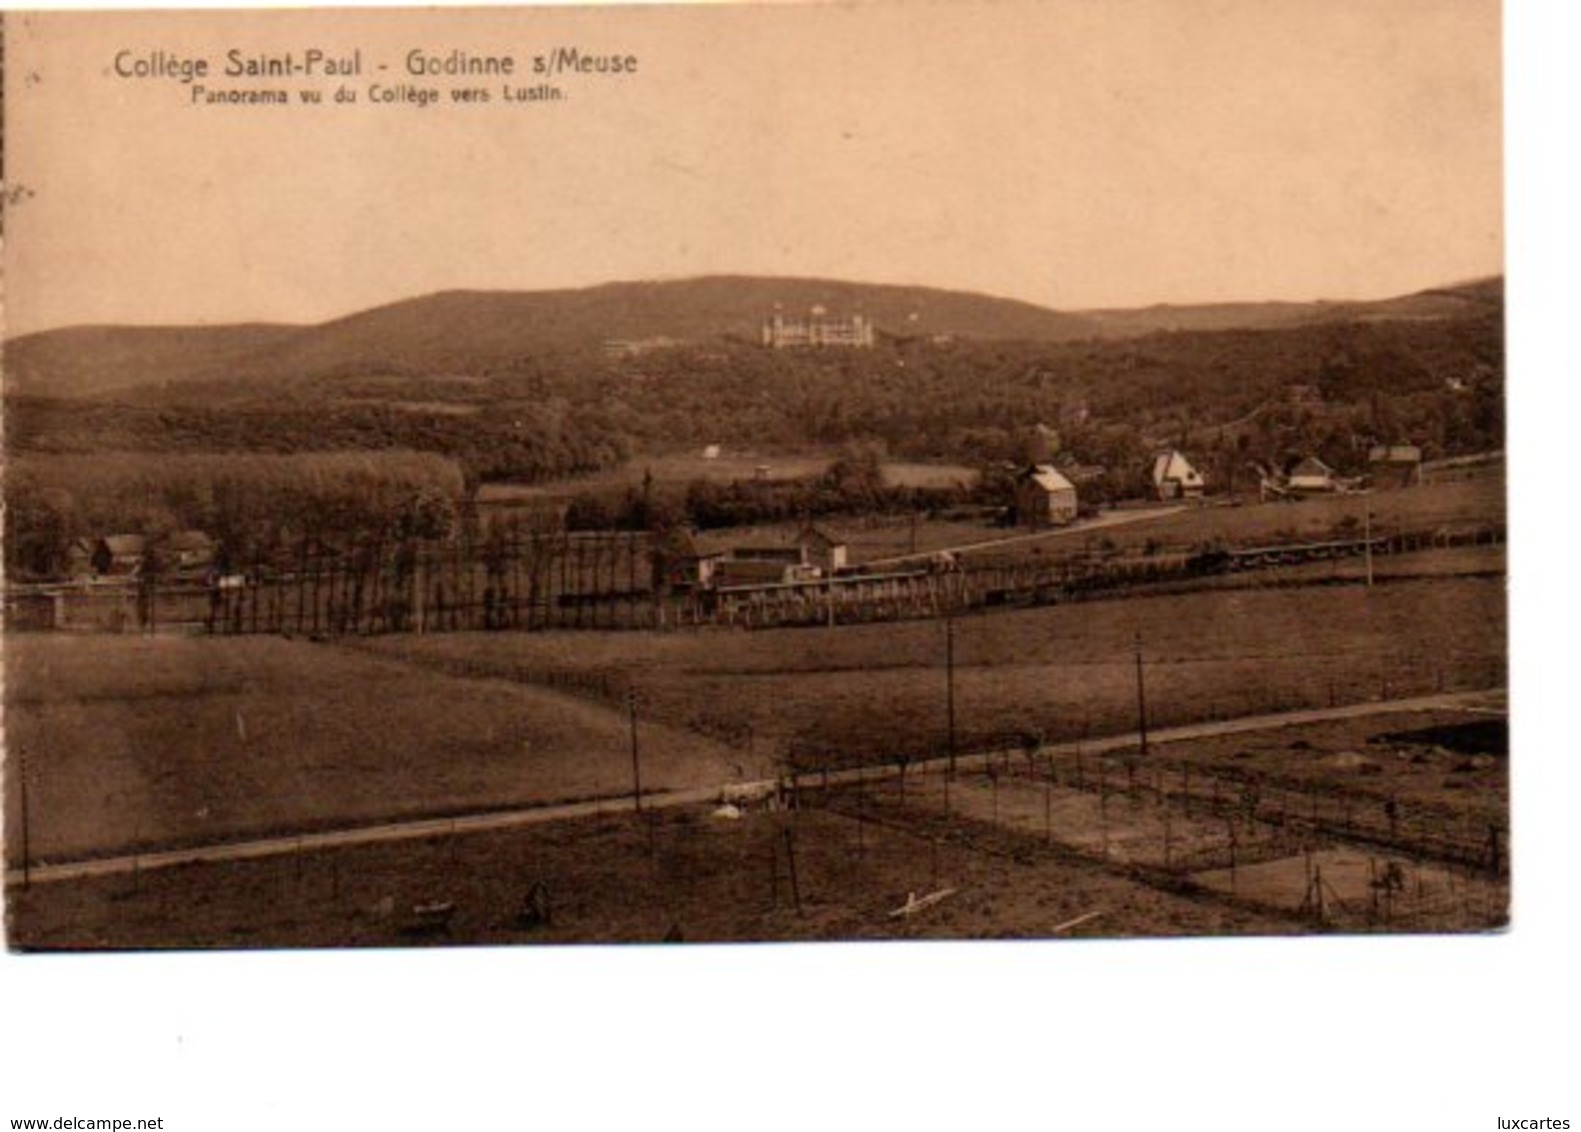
1367,534
1141,697
22,790
636,761
949,669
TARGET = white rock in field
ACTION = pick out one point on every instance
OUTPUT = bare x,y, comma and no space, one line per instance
747,795
728,812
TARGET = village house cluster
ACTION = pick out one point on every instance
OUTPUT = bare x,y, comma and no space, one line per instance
125,556
812,555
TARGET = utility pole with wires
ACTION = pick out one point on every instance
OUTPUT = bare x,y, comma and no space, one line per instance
636,758
27,854
1366,534
949,693
1141,698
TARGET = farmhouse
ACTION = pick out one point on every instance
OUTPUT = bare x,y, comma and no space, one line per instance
822,549
128,555
1175,478
1312,477
1394,465
1044,498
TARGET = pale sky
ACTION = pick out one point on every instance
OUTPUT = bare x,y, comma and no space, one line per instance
1070,154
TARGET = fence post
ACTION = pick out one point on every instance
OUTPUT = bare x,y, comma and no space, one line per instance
1048,810
790,852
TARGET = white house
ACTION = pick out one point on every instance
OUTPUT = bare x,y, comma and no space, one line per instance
1312,477
1044,498
1175,478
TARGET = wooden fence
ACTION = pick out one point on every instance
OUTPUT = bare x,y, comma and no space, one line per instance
611,580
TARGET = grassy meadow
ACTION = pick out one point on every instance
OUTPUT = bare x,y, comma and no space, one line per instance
823,697
134,741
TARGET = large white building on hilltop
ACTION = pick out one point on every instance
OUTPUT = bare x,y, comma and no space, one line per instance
817,329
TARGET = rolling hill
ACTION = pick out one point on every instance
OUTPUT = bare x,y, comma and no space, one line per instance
1458,301
457,332
479,332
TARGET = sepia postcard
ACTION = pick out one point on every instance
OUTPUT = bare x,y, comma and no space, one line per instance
753,472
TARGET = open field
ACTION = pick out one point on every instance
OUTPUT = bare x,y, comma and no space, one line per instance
1387,822
704,878
886,537
676,470
808,696
1473,503
132,741
152,741
1089,851
140,742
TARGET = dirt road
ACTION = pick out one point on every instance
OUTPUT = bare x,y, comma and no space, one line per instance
1102,522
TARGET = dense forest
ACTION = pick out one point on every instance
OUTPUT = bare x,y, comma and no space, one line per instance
1439,384
254,506
1234,400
